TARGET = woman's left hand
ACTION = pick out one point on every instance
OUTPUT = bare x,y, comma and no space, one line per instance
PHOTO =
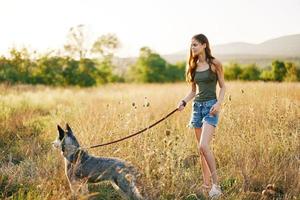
215,109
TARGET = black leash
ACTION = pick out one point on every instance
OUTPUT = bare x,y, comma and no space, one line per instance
134,134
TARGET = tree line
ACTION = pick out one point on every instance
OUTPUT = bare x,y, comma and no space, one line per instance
20,68
278,71
84,65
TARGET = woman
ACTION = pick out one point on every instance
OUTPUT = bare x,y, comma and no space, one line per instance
204,71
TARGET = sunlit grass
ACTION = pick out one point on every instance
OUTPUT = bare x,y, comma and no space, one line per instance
256,142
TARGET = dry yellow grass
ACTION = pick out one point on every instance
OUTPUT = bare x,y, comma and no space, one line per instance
257,140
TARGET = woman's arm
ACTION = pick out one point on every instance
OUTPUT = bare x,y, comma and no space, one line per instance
221,82
188,97
191,94
220,73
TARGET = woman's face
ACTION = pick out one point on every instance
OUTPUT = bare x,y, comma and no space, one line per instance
196,47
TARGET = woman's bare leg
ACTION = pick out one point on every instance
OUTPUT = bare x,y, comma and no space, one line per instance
204,167
206,137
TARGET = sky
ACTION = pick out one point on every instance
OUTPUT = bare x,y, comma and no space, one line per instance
166,26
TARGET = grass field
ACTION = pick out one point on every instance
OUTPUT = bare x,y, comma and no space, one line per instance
257,141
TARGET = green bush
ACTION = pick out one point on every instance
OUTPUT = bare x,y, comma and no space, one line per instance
232,71
250,72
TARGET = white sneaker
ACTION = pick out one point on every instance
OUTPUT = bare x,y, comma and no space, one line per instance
215,191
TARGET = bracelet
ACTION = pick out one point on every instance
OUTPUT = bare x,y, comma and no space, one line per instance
183,102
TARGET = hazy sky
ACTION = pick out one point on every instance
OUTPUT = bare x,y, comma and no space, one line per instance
166,26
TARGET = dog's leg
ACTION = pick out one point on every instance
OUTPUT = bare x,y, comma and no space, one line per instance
126,182
75,187
84,189
135,192
120,192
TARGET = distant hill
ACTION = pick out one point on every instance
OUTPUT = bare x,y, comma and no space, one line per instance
286,47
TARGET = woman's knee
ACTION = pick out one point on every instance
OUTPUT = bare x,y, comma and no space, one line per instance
203,148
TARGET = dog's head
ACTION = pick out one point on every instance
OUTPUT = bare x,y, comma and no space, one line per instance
66,141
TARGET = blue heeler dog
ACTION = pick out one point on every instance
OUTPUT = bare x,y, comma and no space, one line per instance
82,168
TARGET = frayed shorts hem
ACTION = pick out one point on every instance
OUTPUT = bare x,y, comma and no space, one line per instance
191,125
201,114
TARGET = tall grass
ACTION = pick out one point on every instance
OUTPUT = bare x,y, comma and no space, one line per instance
257,141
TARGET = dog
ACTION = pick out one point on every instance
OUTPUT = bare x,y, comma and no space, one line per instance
82,168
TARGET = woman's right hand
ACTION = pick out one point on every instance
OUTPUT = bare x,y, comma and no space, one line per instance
180,106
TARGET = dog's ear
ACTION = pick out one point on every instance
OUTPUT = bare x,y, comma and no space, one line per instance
61,132
69,130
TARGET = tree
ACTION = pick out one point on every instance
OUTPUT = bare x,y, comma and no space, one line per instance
250,72
278,70
49,71
70,72
77,42
175,72
232,71
291,72
266,75
7,72
87,72
106,45
149,67
20,66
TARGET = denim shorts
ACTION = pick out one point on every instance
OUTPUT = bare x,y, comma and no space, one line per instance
200,114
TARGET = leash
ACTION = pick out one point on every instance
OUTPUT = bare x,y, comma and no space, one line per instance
134,134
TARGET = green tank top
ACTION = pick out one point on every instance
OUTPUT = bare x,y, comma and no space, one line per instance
206,82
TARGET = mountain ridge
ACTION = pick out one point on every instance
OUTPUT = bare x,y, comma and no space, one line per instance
287,46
